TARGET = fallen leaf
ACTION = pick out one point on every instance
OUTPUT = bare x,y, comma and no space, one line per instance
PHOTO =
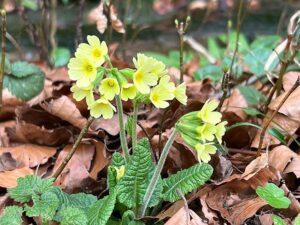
284,154
7,162
97,16
8,179
77,168
3,201
65,109
29,155
289,79
100,160
115,22
10,103
111,126
266,219
165,6
171,211
294,167
234,103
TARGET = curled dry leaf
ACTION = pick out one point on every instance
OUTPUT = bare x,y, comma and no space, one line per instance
100,159
10,103
171,211
115,22
111,126
77,168
180,218
282,123
234,103
7,162
3,201
97,16
66,110
289,79
29,155
30,133
8,179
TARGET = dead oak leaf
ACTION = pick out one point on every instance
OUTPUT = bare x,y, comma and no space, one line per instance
97,16
29,155
115,22
100,159
65,109
8,179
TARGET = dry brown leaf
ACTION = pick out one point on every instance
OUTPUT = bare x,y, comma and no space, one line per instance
97,16
7,162
180,218
8,179
165,6
171,211
286,124
284,154
294,167
290,107
45,93
65,109
10,103
111,126
100,161
115,22
289,79
30,133
29,155
77,169
3,201
234,104
266,219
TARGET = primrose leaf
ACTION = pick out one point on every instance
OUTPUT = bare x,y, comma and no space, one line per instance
29,186
25,80
101,210
297,220
186,181
278,220
117,160
44,206
12,215
274,196
132,186
60,56
73,216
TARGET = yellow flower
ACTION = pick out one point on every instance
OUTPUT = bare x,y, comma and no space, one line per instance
95,50
204,151
180,93
82,70
206,132
81,93
159,97
207,114
143,79
102,107
165,82
109,87
220,131
120,172
128,91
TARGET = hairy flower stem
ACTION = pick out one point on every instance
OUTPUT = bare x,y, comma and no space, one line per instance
153,182
122,129
134,123
74,148
3,45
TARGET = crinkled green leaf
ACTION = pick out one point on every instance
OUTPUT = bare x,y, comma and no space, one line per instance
157,194
278,220
274,196
129,125
101,210
25,80
60,56
297,220
186,181
12,215
44,206
29,186
111,178
132,187
73,216
117,160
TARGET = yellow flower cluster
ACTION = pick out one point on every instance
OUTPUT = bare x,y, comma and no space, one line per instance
149,78
202,129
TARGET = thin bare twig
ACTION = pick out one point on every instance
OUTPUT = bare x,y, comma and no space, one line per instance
74,148
266,125
186,206
3,45
225,88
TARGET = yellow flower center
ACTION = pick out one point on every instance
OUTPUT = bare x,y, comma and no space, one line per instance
139,76
155,97
97,53
88,68
111,83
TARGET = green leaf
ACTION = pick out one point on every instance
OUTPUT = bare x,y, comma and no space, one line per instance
278,220
29,186
243,43
73,216
129,125
213,48
44,206
30,4
60,56
111,178
251,95
157,194
240,124
186,181
267,41
277,134
256,59
101,210
297,220
132,186
117,160
212,72
251,111
12,215
25,81
274,196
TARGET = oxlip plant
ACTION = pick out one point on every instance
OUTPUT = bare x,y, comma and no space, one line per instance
134,181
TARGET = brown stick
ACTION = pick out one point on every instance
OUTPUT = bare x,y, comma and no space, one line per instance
3,45
225,88
186,206
265,127
74,148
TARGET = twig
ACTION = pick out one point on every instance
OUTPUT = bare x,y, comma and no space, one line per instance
225,88
181,29
186,206
74,148
265,127
53,26
79,23
3,45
